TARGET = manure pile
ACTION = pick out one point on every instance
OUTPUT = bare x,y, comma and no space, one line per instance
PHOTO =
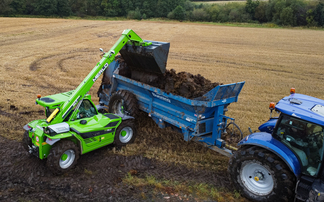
183,83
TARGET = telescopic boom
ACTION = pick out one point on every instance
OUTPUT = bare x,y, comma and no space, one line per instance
63,111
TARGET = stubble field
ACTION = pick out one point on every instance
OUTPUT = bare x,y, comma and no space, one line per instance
48,56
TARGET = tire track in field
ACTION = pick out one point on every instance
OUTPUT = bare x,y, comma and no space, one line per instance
45,35
35,65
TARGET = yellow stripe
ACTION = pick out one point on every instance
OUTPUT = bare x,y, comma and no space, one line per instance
49,119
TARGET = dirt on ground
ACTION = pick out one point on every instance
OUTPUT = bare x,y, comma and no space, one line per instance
98,174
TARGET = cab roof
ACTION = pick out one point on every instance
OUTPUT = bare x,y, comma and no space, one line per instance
304,107
52,101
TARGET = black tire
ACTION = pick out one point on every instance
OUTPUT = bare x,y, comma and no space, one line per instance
102,111
125,133
26,141
59,150
123,102
260,175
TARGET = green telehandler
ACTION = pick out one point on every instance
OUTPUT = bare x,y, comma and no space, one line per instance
73,125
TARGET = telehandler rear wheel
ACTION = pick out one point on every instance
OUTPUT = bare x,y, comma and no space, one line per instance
63,156
123,102
261,175
125,133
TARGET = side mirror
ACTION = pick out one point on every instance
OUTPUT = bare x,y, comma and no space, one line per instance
83,122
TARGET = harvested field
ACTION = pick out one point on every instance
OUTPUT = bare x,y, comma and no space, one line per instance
48,56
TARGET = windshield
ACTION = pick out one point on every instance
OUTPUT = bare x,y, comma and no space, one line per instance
86,110
305,139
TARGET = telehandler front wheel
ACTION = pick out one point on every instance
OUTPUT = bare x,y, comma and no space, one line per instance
125,133
63,156
261,175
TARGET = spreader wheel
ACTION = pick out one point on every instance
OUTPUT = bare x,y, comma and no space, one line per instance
63,156
123,102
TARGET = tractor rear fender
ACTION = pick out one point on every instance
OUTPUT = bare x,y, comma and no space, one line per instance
269,125
101,107
266,141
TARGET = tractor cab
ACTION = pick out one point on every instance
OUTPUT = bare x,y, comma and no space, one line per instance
305,139
300,127
287,153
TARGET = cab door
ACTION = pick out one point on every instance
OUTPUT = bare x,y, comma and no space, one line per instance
95,129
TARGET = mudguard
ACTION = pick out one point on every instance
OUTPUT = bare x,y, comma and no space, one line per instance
269,125
99,107
266,141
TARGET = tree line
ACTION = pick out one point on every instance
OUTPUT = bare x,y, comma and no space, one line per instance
108,8
280,12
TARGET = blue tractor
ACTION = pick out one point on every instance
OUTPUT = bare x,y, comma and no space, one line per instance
283,162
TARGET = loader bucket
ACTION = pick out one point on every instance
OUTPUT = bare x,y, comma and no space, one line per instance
152,58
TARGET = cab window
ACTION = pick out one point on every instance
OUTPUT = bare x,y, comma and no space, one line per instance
305,139
49,111
86,110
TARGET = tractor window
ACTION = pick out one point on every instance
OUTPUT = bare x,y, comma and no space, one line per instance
305,139
86,110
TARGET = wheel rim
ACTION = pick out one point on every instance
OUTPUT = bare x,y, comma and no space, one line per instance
126,134
256,178
67,159
118,107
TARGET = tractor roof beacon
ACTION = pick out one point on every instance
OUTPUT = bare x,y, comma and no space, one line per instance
74,125
284,161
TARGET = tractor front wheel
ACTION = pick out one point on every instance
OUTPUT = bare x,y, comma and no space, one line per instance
63,156
125,133
261,176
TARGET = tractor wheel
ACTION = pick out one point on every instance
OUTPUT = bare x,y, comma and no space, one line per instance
26,141
125,133
261,175
123,102
63,156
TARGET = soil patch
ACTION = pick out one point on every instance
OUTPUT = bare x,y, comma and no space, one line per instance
97,176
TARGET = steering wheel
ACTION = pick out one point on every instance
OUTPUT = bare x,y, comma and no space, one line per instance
298,142
290,138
